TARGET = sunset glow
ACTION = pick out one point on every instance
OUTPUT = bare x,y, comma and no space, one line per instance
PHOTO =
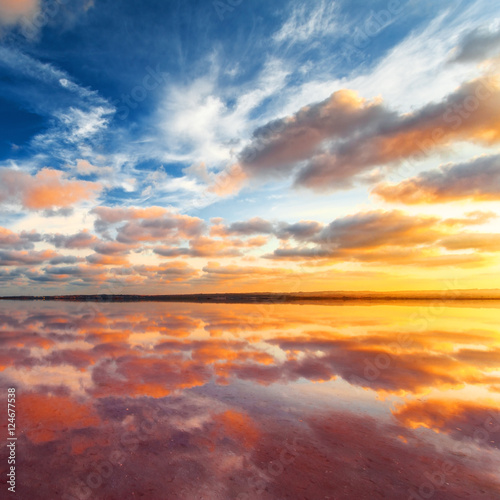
250,250
322,149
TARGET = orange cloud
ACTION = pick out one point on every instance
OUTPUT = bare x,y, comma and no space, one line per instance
228,181
328,144
477,180
14,241
26,258
47,189
148,224
107,260
112,215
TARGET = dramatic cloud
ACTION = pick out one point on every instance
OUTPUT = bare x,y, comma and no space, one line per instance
478,180
47,189
327,145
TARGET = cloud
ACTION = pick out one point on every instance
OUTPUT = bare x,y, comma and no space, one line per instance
328,144
66,274
64,259
26,258
15,11
377,228
97,259
477,179
476,217
391,237
83,239
306,23
73,114
170,227
86,169
301,230
280,144
202,246
112,215
176,271
113,248
14,241
482,242
477,45
227,181
238,272
152,224
250,227
47,189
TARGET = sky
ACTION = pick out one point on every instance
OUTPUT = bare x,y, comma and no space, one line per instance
240,145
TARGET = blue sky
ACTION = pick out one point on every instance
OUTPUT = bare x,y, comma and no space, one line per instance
156,103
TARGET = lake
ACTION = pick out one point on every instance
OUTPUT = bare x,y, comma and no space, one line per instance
227,401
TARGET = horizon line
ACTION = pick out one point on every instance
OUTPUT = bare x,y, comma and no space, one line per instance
284,297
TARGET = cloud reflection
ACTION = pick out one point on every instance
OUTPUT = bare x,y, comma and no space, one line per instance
248,400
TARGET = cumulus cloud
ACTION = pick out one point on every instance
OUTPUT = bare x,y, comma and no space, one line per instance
169,227
175,271
26,258
152,224
328,144
98,259
478,179
252,226
14,241
83,239
391,237
282,230
47,189
112,215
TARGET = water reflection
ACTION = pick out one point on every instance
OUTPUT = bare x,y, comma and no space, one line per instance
189,401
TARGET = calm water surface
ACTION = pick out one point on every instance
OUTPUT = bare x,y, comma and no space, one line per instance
191,401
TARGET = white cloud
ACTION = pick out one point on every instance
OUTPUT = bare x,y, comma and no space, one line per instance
305,23
199,124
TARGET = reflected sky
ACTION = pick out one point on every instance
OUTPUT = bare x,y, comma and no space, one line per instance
195,401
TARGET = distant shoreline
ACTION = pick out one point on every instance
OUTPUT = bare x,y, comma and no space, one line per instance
285,298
